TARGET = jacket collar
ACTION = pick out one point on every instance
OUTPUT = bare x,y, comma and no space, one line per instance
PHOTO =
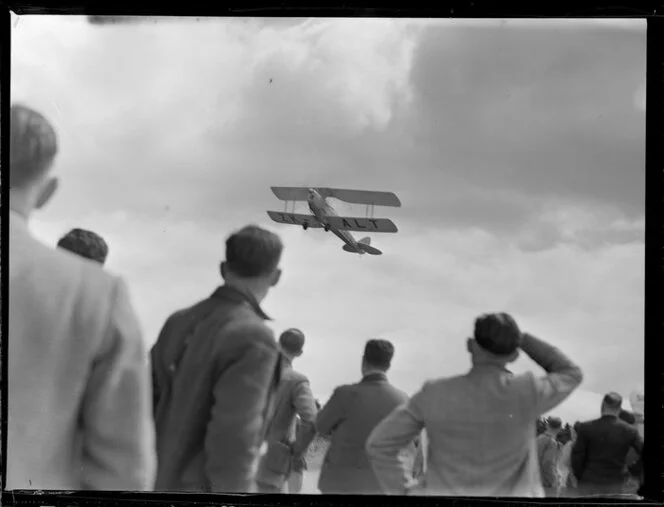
233,294
487,367
375,377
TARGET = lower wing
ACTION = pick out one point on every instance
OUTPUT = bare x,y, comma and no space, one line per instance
362,224
294,219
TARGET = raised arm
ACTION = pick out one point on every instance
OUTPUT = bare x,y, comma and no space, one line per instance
241,394
332,414
305,407
118,430
562,378
387,442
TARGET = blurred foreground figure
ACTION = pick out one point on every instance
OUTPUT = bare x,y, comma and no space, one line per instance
284,460
600,454
481,425
86,244
348,418
548,452
79,391
216,368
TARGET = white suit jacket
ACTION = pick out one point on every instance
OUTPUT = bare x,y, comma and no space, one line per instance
79,397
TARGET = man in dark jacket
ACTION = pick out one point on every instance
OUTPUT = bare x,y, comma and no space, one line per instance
348,418
286,446
216,369
600,453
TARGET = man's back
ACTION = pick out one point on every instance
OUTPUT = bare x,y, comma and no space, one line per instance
350,415
216,367
481,429
78,383
600,452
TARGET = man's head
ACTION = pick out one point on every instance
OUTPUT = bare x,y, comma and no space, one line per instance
292,342
554,425
496,339
252,260
87,244
33,146
377,356
611,404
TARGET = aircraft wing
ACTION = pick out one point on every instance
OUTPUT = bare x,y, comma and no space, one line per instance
362,224
367,197
291,193
294,219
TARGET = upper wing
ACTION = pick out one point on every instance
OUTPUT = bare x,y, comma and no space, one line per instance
294,219
291,193
367,197
362,224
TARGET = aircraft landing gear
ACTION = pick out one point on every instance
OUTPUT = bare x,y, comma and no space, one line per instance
305,226
327,227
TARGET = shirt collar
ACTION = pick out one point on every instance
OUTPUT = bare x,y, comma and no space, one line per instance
228,292
374,377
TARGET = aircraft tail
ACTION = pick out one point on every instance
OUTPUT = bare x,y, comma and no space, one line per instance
365,245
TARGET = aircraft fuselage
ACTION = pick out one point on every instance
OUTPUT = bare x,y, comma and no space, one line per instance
322,209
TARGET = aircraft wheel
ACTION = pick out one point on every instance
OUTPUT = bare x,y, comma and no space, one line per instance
327,228
305,226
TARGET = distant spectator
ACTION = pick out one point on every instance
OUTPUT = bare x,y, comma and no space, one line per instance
567,482
284,461
86,244
348,418
216,369
548,451
481,425
600,453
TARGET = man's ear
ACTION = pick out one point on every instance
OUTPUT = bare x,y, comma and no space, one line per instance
276,277
46,192
223,269
469,345
513,356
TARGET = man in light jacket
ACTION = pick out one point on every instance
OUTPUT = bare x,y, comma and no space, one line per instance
481,425
293,399
79,388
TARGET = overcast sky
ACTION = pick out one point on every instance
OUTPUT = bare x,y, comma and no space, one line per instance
517,149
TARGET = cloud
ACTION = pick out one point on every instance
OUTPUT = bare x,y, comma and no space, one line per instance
517,152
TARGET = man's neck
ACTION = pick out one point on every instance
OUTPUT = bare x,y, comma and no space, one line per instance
255,290
373,371
19,204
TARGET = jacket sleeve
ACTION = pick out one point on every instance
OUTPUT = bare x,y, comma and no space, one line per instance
332,414
305,407
118,430
579,454
389,439
240,397
562,378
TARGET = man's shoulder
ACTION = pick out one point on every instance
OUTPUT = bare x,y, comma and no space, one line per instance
295,376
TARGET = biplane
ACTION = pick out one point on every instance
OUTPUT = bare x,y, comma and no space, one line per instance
324,216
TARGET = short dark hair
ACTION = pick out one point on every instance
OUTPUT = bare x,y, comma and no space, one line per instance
86,244
613,401
379,353
252,252
33,145
497,333
292,341
554,423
